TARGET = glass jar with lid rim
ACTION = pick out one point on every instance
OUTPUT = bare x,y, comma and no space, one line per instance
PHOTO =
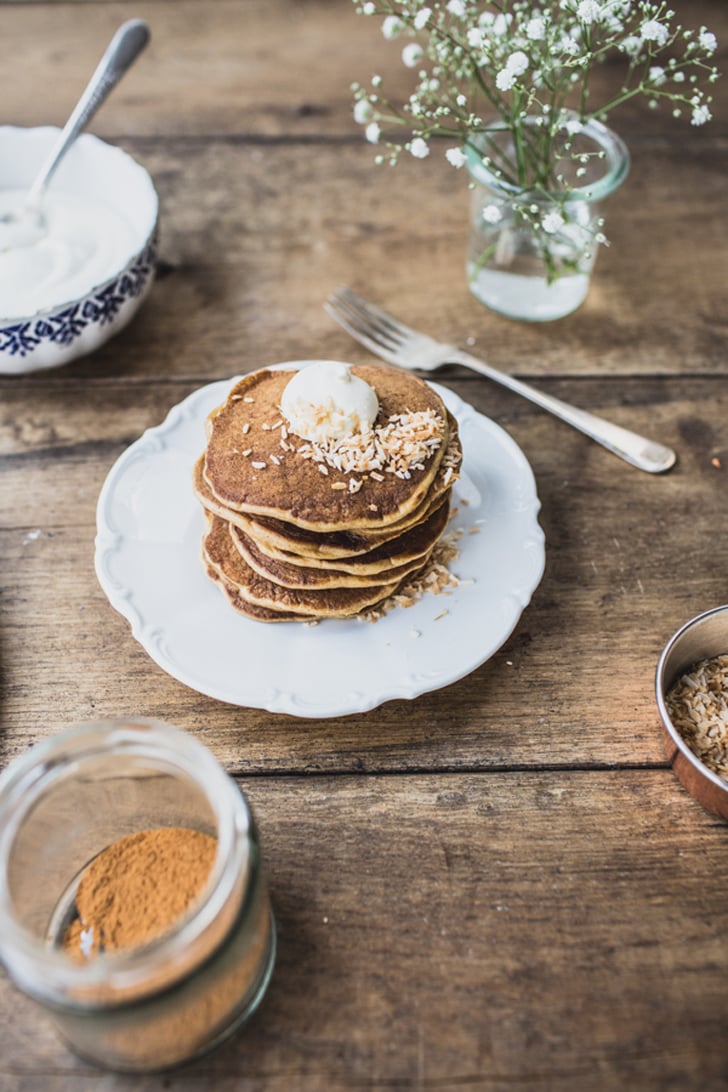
160,1003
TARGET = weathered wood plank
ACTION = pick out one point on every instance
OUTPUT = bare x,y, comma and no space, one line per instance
246,268
500,885
520,931
273,67
629,558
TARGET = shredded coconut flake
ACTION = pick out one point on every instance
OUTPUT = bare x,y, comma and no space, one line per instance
404,443
435,577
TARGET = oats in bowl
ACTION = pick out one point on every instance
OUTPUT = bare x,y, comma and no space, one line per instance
691,687
698,706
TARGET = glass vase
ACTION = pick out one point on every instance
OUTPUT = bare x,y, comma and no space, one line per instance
532,248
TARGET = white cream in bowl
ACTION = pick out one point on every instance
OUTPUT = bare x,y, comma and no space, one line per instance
75,245
68,288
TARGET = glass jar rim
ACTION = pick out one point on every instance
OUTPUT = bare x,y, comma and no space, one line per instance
47,972
614,148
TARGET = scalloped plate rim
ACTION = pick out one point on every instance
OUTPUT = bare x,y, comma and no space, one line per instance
272,696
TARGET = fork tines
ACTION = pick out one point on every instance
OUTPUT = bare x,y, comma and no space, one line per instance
373,327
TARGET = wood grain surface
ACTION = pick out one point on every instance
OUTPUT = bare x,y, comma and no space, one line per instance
500,885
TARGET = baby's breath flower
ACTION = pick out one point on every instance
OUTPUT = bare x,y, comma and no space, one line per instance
362,111
536,29
392,26
517,62
412,54
456,157
701,114
501,24
456,7
373,132
505,79
552,221
708,41
422,18
654,31
419,148
492,214
589,11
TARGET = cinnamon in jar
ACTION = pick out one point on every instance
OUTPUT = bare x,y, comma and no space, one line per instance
134,906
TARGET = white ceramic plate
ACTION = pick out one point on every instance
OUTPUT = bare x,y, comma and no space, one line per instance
149,530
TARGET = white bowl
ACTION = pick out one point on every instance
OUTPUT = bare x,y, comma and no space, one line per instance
91,170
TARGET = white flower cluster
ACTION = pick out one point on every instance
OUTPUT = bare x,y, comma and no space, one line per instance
508,84
476,60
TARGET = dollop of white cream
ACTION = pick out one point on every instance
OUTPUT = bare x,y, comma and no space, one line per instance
77,244
325,401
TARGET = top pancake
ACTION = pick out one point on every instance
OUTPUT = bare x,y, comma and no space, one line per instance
279,539
253,464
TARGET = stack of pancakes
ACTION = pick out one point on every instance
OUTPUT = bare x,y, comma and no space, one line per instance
298,530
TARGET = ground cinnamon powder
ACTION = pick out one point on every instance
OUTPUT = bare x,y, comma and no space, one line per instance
137,888
131,892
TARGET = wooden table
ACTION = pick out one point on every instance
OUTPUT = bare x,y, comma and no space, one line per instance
500,884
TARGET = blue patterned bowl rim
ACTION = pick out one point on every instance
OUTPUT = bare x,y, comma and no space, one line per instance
63,322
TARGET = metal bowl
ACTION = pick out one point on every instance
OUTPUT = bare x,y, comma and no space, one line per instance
701,638
70,328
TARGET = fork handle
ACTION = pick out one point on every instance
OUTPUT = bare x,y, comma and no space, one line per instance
635,449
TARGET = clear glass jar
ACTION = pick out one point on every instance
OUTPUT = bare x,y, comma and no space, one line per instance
516,265
63,802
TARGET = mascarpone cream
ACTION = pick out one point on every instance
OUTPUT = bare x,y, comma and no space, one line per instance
325,401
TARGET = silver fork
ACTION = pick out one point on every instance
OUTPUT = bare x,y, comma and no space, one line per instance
398,344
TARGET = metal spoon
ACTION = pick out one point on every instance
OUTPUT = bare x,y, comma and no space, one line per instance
123,49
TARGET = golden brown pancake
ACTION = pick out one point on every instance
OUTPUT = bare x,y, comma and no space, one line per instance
253,465
251,610
413,545
279,539
292,574
225,560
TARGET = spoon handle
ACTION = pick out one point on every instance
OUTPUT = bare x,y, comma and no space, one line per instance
123,49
